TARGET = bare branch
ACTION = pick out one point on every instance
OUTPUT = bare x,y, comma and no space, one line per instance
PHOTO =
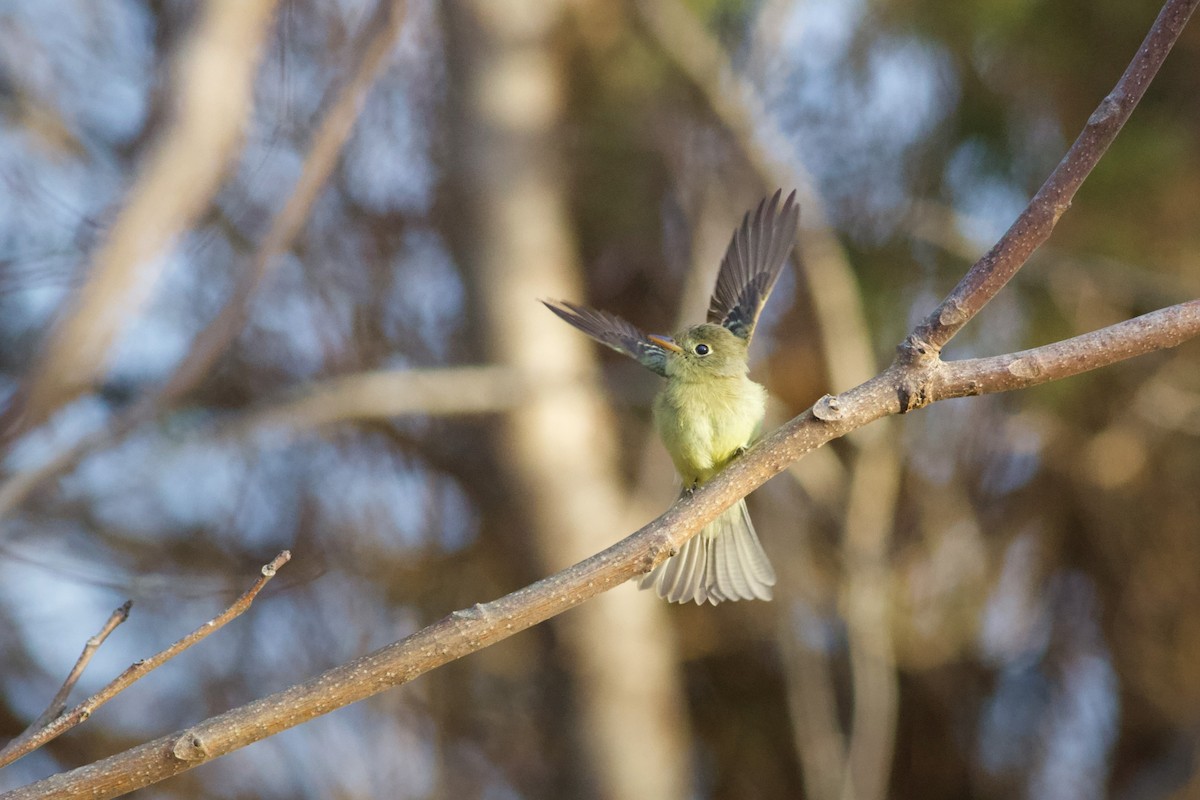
812,703
215,82
139,669
59,703
482,625
1033,227
1157,330
866,607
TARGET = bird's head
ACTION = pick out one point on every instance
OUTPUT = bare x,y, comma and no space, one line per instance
704,350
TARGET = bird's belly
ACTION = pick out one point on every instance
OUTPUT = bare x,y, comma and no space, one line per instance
704,427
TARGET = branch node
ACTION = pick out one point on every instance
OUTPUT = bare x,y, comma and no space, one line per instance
190,747
1109,108
475,612
1060,208
1025,368
278,561
654,555
828,409
952,313
913,390
918,353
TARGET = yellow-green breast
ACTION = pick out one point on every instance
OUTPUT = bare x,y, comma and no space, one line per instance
704,421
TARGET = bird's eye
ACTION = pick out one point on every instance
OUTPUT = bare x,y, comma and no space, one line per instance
703,349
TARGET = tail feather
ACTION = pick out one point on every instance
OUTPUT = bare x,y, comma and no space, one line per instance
725,561
675,584
754,560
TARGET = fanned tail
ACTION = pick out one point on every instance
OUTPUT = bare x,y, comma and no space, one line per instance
722,562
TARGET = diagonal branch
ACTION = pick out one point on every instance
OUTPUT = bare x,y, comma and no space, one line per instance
482,625
140,669
1033,227
59,703
1157,330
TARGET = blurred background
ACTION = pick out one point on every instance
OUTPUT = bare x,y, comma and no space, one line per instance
994,597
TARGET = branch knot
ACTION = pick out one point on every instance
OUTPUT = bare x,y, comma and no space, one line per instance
190,747
828,409
1026,368
1109,108
918,353
952,313
914,391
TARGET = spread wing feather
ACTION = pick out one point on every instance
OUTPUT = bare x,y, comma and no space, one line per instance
611,330
752,264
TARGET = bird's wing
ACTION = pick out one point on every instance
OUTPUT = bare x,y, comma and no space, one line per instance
611,330
752,264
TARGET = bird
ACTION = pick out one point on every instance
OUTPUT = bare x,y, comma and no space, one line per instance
709,411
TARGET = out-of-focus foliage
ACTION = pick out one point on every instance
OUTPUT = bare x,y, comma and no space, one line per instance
1044,563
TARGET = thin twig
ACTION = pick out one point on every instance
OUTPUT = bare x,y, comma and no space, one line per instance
58,703
1033,227
482,625
140,669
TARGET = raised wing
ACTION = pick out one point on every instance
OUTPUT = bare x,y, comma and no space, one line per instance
611,330
752,264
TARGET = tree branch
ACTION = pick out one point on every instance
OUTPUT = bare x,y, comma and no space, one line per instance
59,703
514,206
1033,227
1157,330
139,669
482,625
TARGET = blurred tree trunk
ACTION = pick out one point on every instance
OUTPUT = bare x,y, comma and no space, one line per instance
560,448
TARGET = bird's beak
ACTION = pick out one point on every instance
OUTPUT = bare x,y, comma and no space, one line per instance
665,342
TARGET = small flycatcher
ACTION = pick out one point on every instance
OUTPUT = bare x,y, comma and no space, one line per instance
710,411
